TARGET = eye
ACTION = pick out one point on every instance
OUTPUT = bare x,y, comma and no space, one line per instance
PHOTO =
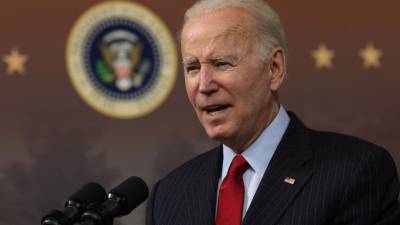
192,68
222,64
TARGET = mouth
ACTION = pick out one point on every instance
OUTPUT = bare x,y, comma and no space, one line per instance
215,109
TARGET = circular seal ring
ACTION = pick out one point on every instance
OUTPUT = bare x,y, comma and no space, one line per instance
121,59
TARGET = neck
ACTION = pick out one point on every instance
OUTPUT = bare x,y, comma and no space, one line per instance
266,121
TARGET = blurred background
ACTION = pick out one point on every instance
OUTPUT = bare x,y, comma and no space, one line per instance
343,77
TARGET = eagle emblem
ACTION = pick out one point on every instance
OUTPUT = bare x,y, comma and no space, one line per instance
121,60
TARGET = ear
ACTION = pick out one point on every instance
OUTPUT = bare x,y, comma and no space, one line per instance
277,66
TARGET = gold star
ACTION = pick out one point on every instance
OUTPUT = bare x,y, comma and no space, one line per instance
15,62
371,56
323,57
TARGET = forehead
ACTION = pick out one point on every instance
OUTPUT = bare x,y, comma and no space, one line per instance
227,26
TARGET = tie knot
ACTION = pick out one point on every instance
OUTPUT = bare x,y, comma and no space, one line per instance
239,165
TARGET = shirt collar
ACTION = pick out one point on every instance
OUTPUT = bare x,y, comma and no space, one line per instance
260,152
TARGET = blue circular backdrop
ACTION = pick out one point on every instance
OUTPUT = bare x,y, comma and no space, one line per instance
93,53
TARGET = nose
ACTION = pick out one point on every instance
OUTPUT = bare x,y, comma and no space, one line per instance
207,83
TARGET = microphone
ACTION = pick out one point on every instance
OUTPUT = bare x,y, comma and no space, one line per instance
76,204
121,201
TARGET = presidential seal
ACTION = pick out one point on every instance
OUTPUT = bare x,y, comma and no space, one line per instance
121,59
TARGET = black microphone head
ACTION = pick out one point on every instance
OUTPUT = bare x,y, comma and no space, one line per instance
90,193
134,191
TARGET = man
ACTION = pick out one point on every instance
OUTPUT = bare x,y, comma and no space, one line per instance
270,169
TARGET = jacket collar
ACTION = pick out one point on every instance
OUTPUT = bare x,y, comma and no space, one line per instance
201,193
284,178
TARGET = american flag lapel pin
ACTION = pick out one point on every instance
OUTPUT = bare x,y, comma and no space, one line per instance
290,180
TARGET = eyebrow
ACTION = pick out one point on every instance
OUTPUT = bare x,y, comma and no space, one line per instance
212,60
227,57
189,61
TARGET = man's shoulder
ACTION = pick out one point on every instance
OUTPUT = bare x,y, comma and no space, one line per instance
192,168
330,145
341,141
345,148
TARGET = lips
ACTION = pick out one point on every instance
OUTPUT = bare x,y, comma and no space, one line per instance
215,109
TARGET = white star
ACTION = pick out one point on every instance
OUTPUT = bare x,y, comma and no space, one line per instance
371,56
15,62
323,57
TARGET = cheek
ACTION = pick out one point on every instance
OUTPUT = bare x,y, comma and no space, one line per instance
252,94
190,89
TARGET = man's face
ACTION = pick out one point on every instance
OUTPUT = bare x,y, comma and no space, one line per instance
226,82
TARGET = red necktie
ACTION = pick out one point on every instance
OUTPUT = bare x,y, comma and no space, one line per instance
231,194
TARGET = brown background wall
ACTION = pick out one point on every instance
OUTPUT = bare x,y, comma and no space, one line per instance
52,142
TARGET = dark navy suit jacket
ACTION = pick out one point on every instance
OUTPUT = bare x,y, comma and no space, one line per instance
338,180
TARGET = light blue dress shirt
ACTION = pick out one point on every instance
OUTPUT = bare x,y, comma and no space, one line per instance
258,155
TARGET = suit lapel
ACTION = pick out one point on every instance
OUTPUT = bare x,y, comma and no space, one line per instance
200,195
284,178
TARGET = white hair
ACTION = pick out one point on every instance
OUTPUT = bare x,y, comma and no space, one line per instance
268,28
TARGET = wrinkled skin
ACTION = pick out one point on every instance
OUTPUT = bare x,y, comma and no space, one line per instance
231,90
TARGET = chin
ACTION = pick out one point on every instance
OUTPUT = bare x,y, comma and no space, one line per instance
217,133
